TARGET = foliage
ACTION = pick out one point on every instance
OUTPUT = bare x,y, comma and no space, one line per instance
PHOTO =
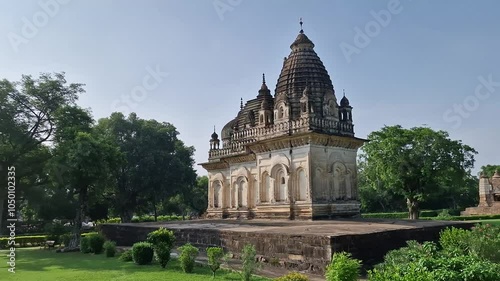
215,256
65,238
30,240
162,251
126,256
399,215
55,230
142,253
343,268
156,164
465,255
109,248
96,243
416,163
187,256
162,235
85,245
248,257
293,276
489,170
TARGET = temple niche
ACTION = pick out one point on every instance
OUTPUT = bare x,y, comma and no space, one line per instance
291,154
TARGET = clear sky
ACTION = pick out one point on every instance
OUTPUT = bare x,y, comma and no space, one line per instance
413,63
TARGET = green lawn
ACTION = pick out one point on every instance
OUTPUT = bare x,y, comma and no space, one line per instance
492,222
44,265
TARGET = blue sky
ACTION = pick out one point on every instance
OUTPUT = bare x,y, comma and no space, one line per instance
190,62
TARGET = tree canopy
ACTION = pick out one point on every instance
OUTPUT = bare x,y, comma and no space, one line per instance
415,163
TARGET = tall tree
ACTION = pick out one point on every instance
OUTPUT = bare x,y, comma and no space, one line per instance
415,163
88,160
27,122
157,164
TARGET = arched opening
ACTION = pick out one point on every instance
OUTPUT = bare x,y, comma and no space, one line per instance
281,112
302,185
242,190
281,188
265,187
217,194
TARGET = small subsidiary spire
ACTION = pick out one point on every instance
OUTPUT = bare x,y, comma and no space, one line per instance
301,23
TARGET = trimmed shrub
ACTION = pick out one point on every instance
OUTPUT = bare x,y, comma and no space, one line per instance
85,245
162,251
187,256
248,257
455,241
126,256
110,248
215,256
162,235
343,268
142,253
96,242
293,276
65,238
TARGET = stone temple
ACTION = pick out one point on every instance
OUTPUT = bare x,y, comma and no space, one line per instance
291,155
489,196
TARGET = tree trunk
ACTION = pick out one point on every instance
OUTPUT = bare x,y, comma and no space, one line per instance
413,210
74,243
126,216
154,207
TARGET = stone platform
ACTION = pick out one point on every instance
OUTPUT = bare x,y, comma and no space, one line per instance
298,245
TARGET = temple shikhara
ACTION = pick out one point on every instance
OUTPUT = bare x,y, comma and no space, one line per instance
289,155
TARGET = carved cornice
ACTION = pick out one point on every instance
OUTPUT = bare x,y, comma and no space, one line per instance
305,139
224,163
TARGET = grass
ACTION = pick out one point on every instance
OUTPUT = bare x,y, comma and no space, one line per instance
492,222
44,265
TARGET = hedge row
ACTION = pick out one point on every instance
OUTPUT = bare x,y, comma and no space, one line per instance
399,215
144,219
27,240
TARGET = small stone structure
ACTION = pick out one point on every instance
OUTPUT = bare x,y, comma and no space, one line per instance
489,196
297,245
291,155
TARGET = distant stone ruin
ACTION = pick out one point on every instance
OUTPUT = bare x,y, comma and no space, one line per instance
489,197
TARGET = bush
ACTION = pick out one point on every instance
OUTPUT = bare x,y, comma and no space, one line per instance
96,242
215,256
485,242
85,245
187,256
293,276
249,262
142,253
455,240
444,215
162,235
55,230
343,268
65,238
110,248
162,251
126,256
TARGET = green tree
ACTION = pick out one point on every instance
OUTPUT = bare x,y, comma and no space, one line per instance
27,122
157,164
415,163
489,170
88,160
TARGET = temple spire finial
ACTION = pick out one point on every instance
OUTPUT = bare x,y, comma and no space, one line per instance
343,90
301,23
214,128
263,78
